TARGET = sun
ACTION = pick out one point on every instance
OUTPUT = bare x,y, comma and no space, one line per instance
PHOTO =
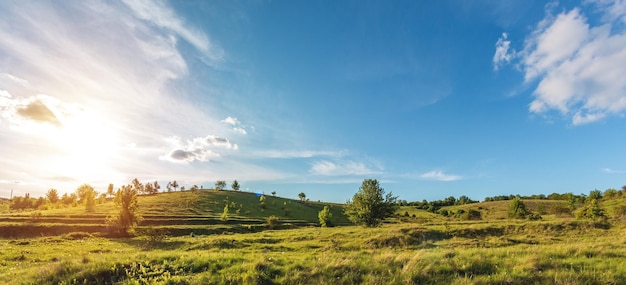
88,145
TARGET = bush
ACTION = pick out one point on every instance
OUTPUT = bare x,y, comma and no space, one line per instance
517,209
472,214
325,216
272,222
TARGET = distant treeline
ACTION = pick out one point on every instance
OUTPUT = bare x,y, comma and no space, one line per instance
434,206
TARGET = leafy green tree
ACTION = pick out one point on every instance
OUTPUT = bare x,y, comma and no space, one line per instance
273,193
370,206
235,185
325,216
302,196
517,209
128,215
592,210
220,185
52,195
87,196
595,195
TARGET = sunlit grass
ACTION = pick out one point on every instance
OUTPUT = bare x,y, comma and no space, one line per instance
392,254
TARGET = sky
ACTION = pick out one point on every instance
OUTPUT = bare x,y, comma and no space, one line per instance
431,98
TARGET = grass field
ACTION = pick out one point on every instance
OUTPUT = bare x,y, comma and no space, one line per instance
183,241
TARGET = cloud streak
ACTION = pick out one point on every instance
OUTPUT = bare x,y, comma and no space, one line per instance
330,168
439,175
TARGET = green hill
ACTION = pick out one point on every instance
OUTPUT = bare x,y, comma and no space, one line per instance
178,213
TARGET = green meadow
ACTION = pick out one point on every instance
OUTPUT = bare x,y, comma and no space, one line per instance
185,239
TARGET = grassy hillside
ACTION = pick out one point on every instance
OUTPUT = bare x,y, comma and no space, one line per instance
527,253
174,212
499,210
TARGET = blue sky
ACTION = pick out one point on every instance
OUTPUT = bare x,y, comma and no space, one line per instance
432,98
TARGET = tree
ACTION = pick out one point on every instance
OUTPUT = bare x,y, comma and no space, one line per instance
174,185
52,195
220,185
147,189
138,186
302,196
235,185
595,195
592,211
370,206
325,217
128,215
155,187
517,209
273,193
110,190
169,186
87,196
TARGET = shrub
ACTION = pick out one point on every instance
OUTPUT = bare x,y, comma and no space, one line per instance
325,216
272,222
517,209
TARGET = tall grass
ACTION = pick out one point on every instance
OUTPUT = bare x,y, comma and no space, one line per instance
532,253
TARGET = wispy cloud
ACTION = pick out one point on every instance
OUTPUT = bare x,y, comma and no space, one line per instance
579,66
503,55
158,13
612,171
330,168
440,176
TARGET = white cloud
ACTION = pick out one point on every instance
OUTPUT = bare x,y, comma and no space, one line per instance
236,125
440,176
297,153
503,55
329,168
200,149
580,68
106,72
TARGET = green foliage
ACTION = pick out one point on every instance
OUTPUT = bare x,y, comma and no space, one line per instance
235,185
370,206
224,216
472,215
87,196
517,209
591,210
595,195
52,195
262,201
325,217
220,185
302,196
272,222
128,215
